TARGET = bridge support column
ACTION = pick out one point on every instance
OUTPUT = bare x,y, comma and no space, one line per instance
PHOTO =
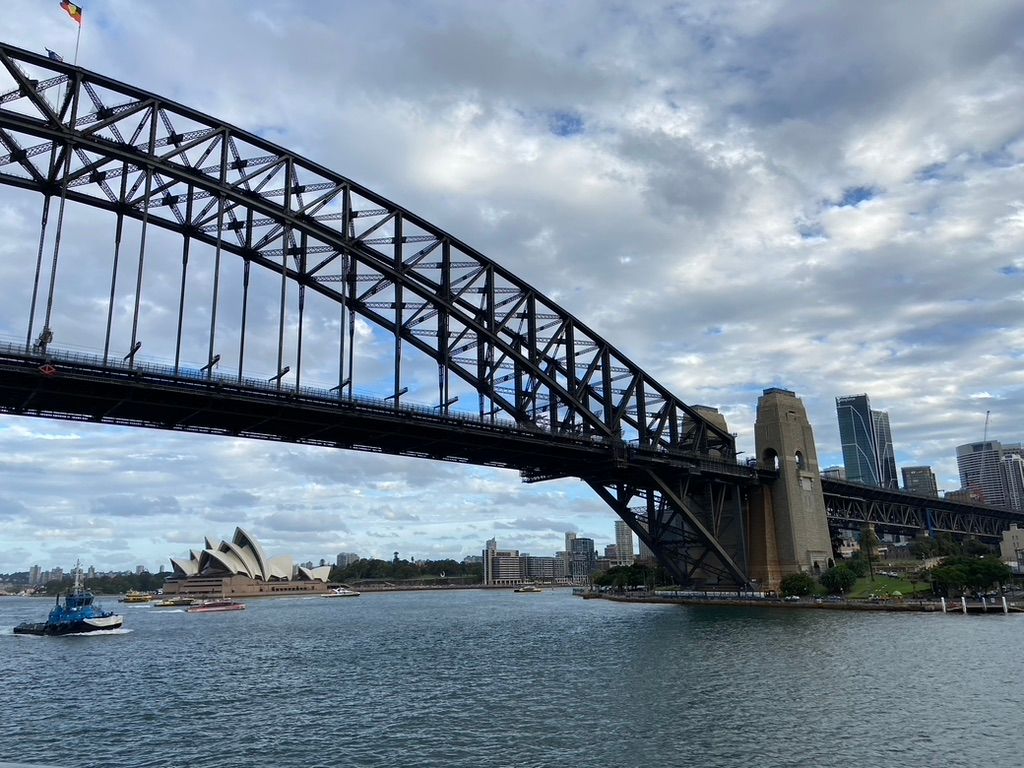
790,516
764,554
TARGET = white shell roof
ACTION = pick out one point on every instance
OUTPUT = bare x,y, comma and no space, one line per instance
243,556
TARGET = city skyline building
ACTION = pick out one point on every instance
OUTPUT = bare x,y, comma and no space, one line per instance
920,480
345,559
583,559
980,468
884,450
866,438
1012,467
624,551
501,566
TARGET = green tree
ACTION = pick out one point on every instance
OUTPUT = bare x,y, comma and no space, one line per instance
838,580
630,576
970,573
799,584
922,548
974,547
858,565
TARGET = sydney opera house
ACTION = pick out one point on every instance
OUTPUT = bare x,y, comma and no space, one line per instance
241,568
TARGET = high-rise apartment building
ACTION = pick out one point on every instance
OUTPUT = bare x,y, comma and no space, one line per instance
1012,467
568,552
345,559
624,551
980,467
920,480
868,453
582,559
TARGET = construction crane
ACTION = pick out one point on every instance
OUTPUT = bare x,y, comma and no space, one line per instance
984,449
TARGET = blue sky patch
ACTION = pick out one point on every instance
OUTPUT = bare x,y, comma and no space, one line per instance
565,123
854,196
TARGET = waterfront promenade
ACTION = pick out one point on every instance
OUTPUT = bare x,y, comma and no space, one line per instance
994,606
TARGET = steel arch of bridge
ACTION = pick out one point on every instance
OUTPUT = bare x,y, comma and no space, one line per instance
76,136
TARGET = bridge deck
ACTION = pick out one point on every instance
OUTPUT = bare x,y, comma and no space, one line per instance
82,387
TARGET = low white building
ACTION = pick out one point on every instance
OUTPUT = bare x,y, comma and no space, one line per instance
1011,548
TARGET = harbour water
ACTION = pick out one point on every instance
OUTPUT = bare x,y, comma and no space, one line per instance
493,678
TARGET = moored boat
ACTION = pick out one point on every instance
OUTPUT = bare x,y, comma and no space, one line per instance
215,606
78,615
341,592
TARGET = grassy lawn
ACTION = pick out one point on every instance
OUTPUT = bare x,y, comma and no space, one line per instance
884,586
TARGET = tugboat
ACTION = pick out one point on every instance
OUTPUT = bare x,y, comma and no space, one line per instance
78,615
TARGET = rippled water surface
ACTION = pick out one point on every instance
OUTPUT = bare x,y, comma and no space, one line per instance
475,678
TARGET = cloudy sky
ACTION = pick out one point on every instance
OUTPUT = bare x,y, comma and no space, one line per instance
821,196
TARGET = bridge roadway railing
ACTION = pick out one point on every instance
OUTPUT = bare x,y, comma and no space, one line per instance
54,363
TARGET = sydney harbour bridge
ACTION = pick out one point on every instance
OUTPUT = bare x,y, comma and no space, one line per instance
250,292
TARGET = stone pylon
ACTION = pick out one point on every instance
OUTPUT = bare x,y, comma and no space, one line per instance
788,525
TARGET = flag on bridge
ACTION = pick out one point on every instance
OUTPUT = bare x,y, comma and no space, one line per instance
54,55
74,11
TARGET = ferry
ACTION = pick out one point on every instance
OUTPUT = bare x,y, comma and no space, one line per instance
216,606
175,602
136,597
78,615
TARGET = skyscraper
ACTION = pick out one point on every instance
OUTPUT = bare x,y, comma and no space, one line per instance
568,552
1013,476
868,453
624,542
884,450
981,473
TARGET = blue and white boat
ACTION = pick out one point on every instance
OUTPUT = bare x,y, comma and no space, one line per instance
78,615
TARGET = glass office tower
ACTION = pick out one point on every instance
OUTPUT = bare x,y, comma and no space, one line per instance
868,453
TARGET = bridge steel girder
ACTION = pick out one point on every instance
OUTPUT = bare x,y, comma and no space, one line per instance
72,134
855,505
676,529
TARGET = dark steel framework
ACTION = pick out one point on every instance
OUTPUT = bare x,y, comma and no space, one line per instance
535,371
852,505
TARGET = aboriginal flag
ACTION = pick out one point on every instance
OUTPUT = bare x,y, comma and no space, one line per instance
74,11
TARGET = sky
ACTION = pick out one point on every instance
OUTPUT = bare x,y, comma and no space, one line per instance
825,197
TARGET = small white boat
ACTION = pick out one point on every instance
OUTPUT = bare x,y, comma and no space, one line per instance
528,588
341,592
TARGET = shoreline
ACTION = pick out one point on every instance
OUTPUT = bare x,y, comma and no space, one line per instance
903,606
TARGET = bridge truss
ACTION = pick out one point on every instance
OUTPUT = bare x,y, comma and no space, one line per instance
852,505
262,235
